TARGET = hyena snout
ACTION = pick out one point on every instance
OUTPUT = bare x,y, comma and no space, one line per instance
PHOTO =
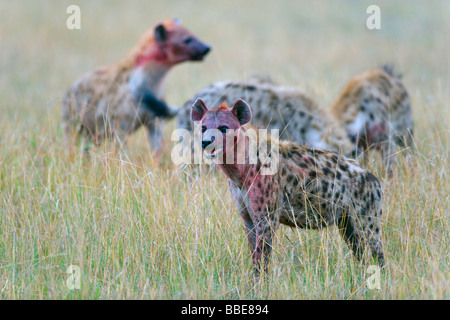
207,141
198,49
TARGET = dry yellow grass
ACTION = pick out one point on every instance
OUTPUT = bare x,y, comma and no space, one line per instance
138,228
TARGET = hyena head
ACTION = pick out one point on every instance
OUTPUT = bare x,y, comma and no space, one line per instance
220,124
169,43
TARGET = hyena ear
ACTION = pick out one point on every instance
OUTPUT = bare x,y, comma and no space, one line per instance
242,111
160,33
198,110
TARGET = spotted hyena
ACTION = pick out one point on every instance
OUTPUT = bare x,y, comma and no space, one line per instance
116,100
312,188
298,117
375,110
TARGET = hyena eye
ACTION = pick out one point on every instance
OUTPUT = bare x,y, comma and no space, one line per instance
187,40
223,129
203,129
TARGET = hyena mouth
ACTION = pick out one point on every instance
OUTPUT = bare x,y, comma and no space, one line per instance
198,57
213,153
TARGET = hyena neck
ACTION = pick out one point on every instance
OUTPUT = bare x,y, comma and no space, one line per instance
148,77
242,171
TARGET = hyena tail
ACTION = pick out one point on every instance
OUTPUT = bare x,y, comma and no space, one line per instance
158,107
389,69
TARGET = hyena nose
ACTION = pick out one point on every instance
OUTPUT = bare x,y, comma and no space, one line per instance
206,50
206,143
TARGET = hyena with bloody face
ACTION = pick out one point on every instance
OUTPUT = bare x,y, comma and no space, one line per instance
313,188
298,117
375,110
115,101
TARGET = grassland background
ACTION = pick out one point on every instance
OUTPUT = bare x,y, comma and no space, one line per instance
140,228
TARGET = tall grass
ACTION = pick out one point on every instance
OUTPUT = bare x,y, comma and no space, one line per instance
140,227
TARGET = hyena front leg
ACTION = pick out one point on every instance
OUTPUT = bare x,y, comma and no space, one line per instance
265,227
155,136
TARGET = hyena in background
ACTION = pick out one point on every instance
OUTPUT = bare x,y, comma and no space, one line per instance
297,116
116,100
313,188
375,110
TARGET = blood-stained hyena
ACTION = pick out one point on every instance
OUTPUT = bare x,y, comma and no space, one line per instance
298,117
312,188
375,110
115,101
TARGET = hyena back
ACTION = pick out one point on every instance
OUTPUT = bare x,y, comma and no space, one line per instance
298,117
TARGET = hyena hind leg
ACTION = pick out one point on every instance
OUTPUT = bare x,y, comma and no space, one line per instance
376,247
388,149
359,240
348,231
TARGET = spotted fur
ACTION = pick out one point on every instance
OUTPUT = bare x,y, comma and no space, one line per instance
116,100
313,188
297,116
375,110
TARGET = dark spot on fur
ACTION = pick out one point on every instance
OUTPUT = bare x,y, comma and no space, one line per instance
324,186
362,183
